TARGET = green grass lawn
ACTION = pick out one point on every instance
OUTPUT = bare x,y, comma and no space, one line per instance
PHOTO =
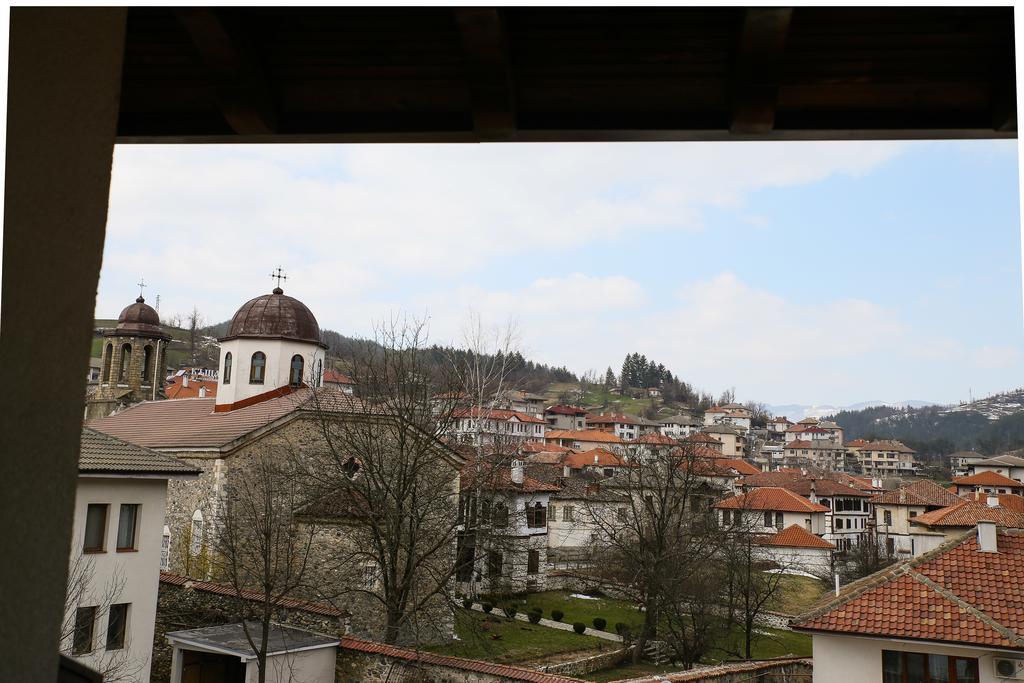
797,594
628,671
498,639
580,609
769,643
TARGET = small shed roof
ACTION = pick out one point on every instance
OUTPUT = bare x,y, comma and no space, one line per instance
231,639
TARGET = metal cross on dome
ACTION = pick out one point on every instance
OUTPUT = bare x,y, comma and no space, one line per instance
278,275
142,284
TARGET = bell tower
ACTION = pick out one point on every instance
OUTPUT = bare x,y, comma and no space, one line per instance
134,356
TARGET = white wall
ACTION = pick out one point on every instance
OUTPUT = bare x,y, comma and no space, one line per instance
279,354
308,666
848,659
140,569
817,561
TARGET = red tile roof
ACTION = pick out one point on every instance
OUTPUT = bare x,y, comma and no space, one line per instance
968,513
801,484
499,478
799,443
656,439
1010,501
770,498
988,478
503,671
612,418
335,377
496,414
584,435
701,437
886,446
741,466
221,589
953,594
795,536
565,410
540,447
176,389
604,458
924,492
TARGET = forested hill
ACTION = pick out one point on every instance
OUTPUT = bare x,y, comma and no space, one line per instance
989,425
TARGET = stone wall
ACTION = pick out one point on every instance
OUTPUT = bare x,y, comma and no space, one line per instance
180,608
783,670
582,667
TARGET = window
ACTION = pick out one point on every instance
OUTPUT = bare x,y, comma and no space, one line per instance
126,527
227,368
108,355
257,368
768,518
147,359
500,514
494,562
196,539
536,516
85,618
126,357
295,376
916,667
369,576
567,512
165,549
117,624
318,380
95,528
533,562
887,517
779,519
913,513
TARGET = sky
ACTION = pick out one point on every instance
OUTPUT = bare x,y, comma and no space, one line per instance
812,273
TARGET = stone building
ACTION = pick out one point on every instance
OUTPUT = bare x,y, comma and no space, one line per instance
133,362
270,399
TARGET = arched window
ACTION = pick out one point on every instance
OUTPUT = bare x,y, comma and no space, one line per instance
108,357
227,368
126,359
165,549
295,376
147,359
319,379
258,367
196,540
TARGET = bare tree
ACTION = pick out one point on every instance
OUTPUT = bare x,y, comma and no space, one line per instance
259,547
195,321
115,665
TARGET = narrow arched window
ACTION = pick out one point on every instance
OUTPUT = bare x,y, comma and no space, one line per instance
295,376
319,380
227,368
108,356
196,535
147,359
126,359
258,367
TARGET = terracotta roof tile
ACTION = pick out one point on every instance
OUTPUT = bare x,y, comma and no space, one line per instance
1010,501
595,457
176,389
795,536
967,513
503,671
954,594
988,478
221,589
497,414
612,418
102,453
585,435
565,410
770,498
801,484
921,493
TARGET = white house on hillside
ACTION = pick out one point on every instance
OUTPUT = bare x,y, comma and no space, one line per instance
119,546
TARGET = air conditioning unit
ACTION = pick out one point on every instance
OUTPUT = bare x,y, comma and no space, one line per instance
1009,669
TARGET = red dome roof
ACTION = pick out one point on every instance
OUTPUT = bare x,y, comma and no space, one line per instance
274,316
139,318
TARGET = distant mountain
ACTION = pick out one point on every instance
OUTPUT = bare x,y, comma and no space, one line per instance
798,411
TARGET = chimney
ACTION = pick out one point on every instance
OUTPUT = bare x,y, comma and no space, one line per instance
517,471
184,381
595,458
993,500
202,392
566,471
987,536
814,492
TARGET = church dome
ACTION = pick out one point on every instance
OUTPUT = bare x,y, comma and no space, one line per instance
274,316
139,318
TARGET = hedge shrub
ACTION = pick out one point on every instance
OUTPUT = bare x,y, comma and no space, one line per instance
467,603
510,610
600,623
557,614
579,627
487,607
534,617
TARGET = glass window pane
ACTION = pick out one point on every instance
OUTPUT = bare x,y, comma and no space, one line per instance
915,667
85,617
116,624
95,526
938,668
892,667
966,670
126,527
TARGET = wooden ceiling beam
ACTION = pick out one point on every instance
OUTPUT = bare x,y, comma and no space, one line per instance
489,72
757,69
243,95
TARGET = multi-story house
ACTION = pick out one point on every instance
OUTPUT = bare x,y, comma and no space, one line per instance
119,545
893,511
849,512
987,482
733,439
777,426
504,542
952,615
565,417
731,414
580,517
701,439
679,426
626,427
961,461
887,459
520,401
770,509
824,454
931,529
488,426
1008,465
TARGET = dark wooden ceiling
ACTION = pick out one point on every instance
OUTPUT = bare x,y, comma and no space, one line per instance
528,74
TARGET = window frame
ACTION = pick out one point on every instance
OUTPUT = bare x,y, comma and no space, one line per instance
228,359
134,546
115,640
102,547
292,380
79,646
951,660
263,368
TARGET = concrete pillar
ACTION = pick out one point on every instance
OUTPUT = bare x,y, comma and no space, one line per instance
63,98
